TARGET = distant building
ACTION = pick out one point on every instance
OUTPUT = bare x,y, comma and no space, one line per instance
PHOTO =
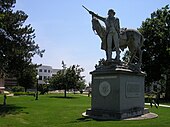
6,83
1,85
45,73
54,72
10,82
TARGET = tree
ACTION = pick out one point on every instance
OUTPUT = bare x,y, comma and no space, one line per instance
27,78
17,45
44,88
81,85
156,54
68,78
57,81
73,77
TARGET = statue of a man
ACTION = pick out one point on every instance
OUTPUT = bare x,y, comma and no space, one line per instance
112,33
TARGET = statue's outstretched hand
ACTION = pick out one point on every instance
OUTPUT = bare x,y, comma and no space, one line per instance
92,13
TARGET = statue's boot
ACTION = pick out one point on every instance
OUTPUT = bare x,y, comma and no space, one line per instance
109,55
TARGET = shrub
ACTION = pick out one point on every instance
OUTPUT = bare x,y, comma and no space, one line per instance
24,93
17,89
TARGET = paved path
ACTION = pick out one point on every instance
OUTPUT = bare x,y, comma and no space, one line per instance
167,106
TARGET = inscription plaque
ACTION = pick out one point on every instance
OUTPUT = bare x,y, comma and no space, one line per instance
133,89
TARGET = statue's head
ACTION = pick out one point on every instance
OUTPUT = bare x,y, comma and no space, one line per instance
111,12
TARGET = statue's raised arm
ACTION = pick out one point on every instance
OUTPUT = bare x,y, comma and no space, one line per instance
94,14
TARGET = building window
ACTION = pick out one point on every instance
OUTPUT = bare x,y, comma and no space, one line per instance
40,77
48,71
40,70
45,77
45,70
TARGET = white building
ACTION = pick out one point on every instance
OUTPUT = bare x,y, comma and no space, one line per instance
45,73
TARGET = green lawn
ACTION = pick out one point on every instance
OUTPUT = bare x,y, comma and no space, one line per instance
53,110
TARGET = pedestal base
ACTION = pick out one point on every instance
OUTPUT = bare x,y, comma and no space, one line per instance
117,93
125,116
109,115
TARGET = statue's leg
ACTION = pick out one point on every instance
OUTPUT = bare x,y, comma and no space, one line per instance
140,57
133,53
107,56
116,43
109,47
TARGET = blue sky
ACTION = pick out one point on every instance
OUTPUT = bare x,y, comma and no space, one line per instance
63,28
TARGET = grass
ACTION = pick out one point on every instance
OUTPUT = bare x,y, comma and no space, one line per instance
53,110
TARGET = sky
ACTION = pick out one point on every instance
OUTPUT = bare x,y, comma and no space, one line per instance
63,28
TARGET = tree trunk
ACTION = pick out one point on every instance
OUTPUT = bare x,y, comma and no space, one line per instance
25,89
65,91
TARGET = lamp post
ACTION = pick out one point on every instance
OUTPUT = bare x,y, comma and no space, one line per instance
47,86
36,95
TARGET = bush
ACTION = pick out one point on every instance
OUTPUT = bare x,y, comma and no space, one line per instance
17,89
24,93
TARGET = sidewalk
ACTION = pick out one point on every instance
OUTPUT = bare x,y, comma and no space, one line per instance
166,106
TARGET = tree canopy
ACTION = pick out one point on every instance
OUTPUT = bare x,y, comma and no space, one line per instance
27,78
68,78
156,54
17,45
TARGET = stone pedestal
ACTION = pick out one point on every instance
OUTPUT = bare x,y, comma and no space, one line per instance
117,94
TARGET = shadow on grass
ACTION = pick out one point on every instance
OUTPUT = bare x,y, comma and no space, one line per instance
68,97
83,119
10,109
87,119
